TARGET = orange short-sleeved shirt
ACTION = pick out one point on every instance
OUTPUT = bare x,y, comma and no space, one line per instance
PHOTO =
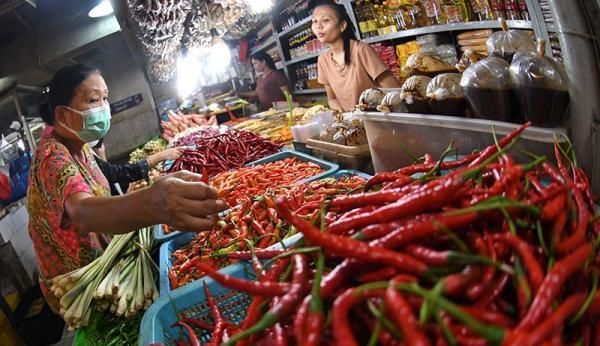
350,81
55,175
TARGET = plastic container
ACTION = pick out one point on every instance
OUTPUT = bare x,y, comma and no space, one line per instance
352,157
302,133
166,260
445,95
432,133
190,301
329,168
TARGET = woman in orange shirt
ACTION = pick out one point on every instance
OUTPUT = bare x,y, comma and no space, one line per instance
348,67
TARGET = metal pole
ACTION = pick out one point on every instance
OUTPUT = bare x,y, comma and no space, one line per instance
28,135
580,59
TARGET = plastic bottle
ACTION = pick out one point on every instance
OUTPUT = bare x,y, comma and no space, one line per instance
434,12
391,9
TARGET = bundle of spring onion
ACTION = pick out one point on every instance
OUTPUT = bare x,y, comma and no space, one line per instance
121,280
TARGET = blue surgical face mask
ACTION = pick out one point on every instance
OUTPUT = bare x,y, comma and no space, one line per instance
96,123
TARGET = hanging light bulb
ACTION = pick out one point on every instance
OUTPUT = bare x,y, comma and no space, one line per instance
220,55
260,6
188,74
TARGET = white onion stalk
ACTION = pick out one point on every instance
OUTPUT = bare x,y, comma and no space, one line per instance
122,280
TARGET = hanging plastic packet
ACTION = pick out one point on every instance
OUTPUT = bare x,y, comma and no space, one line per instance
370,99
504,44
542,86
414,94
488,89
392,102
445,95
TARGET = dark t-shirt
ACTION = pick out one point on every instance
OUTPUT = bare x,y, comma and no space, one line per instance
268,89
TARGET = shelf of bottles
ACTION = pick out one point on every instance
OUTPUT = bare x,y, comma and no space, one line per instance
293,17
304,45
269,42
306,79
385,20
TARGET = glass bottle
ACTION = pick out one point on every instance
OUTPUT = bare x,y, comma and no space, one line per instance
511,8
388,13
433,10
523,11
497,7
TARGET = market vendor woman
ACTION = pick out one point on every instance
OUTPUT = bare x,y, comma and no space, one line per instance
270,83
69,201
348,67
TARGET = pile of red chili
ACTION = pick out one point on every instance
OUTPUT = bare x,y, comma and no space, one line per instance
220,153
239,185
485,255
253,224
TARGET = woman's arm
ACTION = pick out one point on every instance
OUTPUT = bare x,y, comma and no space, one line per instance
168,154
177,199
387,80
332,99
248,94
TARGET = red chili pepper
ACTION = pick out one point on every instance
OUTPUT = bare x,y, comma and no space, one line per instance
344,246
454,284
199,324
260,253
402,314
553,207
342,331
525,252
552,285
300,320
492,149
384,273
217,334
583,218
434,195
250,287
190,331
285,305
549,324
173,280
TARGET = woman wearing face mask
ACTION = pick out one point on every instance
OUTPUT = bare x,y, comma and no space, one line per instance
270,83
69,201
348,67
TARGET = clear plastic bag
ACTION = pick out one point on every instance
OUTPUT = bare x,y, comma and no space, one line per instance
392,102
542,86
445,95
487,86
504,44
422,64
370,99
414,94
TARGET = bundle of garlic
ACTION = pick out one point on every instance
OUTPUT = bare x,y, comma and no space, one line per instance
122,279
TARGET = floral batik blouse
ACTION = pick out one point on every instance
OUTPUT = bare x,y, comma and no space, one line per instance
55,175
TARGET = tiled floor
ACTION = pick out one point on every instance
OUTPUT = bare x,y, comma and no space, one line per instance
67,338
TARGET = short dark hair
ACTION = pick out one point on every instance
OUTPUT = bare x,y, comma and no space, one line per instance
348,34
62,88
266,58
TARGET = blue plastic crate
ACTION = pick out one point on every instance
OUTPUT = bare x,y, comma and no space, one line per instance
166,260
190,301
330,169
